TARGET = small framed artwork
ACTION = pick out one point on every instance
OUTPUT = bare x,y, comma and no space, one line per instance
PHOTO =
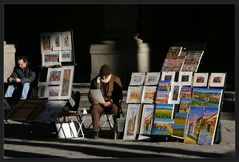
131,123
200,79
170,75
152,78
137,78
217,79
148,94
66,86
164,85
54,76
146,119
65,56
134,94
53,92
66,41
175,92
43,91
185,78
56,41
162,97
46,44
50,58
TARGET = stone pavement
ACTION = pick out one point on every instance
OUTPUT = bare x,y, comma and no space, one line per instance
105,148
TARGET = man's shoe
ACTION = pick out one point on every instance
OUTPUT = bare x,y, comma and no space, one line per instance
95,135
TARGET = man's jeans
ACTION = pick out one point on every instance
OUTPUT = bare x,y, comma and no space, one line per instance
25,89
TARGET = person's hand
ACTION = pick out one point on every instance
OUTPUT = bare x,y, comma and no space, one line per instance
18,80
107,104
10,79
95,103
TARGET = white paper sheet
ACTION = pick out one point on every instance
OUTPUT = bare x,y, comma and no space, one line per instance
97,95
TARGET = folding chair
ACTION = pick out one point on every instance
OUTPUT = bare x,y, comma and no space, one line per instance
71,109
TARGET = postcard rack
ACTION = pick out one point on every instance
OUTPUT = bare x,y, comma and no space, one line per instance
177,102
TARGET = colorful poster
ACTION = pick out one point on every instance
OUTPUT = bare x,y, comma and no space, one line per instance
179,125
206,97
186,92
208,126
162,127
162,97
193,125
164,111
184,105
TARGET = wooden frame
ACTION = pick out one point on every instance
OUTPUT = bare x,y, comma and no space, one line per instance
134,94
137,78
217,80
200,79
46,44
56,40
54,76
66,41
152,78
185,78
148,94
131,124
146,119
43,91
175,92
67,80
50,58
170,75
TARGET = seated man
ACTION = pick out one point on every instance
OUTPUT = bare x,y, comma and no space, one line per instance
21,77
111,88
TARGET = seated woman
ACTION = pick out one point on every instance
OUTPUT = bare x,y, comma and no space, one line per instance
111,88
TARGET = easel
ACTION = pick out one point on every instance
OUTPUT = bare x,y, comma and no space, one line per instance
25,111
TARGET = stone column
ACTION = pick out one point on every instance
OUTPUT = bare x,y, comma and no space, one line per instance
120,47
9,60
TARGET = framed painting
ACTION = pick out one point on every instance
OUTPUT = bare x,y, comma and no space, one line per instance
50,58
179,125
56,40
193,124
148,94
67,80
131,122
66,40
217,79
170,75
152,78
137,78
53,92
184,105
162,127
200,79
134,94
43,91
208,126
175,92
46,44
146,119
65,56
185,78
162,97
54,76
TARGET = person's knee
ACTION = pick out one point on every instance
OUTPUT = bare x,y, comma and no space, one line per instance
95,108
26,85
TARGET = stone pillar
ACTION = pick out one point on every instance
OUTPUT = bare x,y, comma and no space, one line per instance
120,48
9,60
